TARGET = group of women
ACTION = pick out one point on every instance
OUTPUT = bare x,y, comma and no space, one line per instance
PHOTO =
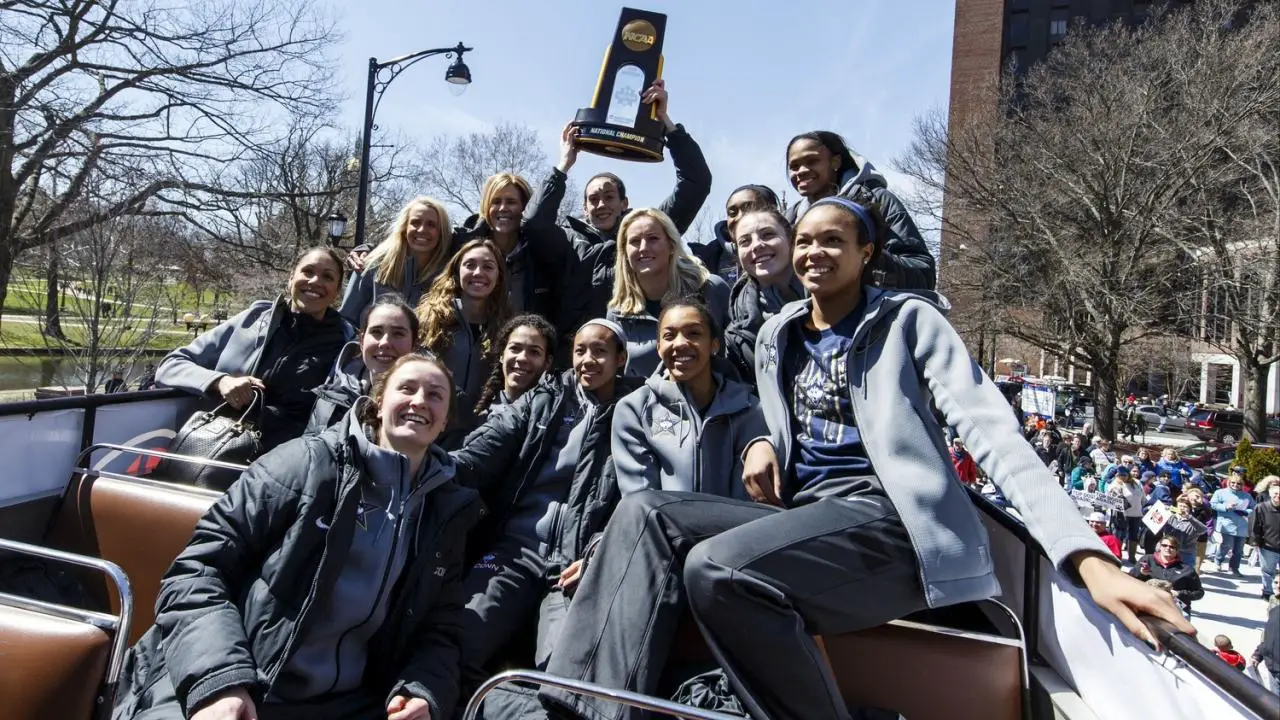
584,427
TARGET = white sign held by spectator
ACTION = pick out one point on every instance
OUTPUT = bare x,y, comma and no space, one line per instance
1157,517
1096,499
1039,400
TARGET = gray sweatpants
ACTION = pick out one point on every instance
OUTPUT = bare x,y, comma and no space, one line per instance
760,581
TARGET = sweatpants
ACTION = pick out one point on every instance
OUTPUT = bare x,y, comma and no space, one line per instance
504,589
760,581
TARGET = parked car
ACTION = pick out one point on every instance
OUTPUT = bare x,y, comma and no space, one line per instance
1173,419
1224,426
1204,454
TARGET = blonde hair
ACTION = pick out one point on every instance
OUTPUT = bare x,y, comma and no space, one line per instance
388,258
686,274
436,312
496,184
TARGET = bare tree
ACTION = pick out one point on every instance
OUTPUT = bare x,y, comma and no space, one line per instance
453,169
145,104
1065,186
110,305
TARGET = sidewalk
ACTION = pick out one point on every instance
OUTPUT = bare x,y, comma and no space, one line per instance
1231,606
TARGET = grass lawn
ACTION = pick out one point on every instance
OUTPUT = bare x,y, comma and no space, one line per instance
26,297
27,335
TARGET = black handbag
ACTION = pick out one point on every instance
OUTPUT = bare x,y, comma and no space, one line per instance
215,435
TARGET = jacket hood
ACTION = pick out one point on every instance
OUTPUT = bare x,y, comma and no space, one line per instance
865,174
567,381
879,304
730,397
384,465
348,377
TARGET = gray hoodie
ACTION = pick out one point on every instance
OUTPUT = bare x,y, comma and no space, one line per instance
332,653
642,328
906,355
661,441
471,368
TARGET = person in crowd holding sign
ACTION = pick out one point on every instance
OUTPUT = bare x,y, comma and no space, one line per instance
1184,527
406,262
605,203
652,265
1083,471
1098,523
282,349
1160,489
325,582
388,331
1166,564
1232,505
1130,518
461,316
859,518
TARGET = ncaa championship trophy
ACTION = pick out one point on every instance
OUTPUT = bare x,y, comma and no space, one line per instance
617,124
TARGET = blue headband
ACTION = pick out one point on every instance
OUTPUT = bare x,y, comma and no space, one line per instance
868,223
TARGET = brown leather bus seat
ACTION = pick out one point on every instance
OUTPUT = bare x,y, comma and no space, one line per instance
927,675
140,525
50,667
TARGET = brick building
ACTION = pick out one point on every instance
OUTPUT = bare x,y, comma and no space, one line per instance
990,35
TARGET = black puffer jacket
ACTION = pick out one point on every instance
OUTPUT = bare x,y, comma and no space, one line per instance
597,250
503,457
1184,579
906,263
345,385
236,600
745,318
550,283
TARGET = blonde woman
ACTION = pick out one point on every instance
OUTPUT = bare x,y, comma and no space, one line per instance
541,267
652,264
405,262
460,317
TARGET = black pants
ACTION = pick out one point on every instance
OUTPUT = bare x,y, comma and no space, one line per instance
760,581
504,590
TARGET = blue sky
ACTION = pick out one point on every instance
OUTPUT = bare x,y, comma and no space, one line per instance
744,76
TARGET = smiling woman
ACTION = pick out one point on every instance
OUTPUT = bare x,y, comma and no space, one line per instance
378,637
282,348
461,316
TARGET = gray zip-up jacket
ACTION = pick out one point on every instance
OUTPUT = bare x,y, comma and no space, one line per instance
363,289
642,328
348,381
661,441
232,348
905,355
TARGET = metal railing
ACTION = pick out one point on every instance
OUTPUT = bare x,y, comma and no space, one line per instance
622,697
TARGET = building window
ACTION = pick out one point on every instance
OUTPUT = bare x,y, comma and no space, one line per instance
1019,4
1058,24
1019,30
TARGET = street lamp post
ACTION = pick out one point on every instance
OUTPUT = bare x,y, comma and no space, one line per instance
381,75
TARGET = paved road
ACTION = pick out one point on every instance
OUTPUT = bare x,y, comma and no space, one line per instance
1232,606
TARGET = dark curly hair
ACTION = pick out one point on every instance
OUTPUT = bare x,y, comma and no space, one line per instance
494,384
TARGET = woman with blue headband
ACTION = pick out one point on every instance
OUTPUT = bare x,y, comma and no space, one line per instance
859,517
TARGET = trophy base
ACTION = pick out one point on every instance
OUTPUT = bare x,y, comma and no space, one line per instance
618,142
